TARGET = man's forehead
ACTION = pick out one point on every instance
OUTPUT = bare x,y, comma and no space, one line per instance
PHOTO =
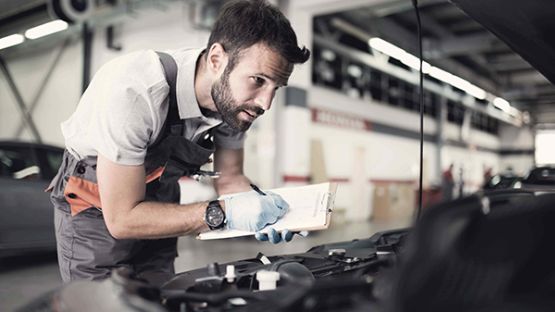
266,62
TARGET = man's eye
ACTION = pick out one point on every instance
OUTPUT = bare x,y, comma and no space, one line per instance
258,81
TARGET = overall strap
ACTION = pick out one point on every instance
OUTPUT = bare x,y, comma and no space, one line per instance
172,124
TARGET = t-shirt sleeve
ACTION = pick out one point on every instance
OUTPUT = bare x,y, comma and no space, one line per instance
122,121
227,137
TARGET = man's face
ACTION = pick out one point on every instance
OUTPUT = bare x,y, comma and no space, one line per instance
247,91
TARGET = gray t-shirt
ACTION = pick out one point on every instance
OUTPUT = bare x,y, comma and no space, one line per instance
124,108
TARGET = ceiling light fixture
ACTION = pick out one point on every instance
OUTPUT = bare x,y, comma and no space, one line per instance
11,40
414,62
46,29
505,106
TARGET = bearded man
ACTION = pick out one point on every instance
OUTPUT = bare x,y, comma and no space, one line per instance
149,118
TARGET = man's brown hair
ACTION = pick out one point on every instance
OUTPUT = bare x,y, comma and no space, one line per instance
244,23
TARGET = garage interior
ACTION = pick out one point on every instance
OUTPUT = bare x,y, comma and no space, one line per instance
349,116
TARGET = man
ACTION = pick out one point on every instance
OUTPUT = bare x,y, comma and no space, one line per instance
136,131
447,183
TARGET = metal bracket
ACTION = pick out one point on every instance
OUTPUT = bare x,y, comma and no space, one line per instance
41,88
27,118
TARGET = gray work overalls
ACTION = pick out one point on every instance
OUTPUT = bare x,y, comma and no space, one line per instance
86,250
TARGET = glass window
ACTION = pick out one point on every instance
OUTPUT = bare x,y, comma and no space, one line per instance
18,162
327,68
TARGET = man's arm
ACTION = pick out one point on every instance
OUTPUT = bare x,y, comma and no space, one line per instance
127,215
229,162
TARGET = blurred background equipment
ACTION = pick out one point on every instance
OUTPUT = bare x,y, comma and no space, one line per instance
72,11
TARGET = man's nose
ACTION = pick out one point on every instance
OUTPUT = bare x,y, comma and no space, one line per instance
265,98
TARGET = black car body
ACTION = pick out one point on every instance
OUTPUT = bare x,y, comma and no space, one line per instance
27,222
503,181
485,252
539,178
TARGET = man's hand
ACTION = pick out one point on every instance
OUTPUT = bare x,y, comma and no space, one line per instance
252,212
275,237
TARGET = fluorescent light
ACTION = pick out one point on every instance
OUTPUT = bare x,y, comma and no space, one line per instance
398,53
11,40
414,62
458,82
502,104
505,106
46,29
386,47
476,92
442,75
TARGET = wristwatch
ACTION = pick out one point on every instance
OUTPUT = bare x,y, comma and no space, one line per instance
214,215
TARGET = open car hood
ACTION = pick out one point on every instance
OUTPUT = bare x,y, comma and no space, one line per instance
527,26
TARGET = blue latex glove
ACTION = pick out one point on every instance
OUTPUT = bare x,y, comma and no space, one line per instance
252,211
274,237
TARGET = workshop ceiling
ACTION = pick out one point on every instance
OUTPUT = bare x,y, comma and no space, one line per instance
21,14
452,41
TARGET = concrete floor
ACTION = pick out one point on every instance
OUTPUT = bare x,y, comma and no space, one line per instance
25,278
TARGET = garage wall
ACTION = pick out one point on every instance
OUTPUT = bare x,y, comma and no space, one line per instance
351,127
161,28
518,148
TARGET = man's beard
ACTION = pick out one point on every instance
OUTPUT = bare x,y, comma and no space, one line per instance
227,106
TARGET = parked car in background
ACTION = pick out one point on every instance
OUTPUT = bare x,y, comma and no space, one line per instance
540,178
27,222
503,181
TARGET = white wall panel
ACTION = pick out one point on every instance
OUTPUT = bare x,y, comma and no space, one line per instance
519,164
389,157
516,138
373,111
294,141
58,100
386,157
166,27
301,21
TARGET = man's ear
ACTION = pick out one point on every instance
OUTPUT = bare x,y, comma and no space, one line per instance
217,58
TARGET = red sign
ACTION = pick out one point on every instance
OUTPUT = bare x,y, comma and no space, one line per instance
340,120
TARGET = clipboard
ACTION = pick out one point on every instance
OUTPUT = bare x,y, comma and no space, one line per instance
310,209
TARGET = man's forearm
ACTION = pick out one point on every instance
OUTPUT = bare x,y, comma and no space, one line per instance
152,220
228,184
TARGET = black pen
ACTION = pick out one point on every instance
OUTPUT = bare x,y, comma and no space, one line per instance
254,187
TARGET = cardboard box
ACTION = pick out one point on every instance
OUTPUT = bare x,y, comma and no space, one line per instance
393,201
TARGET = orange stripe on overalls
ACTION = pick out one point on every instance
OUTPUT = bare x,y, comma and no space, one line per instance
82,194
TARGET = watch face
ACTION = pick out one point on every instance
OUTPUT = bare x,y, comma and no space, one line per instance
214,216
